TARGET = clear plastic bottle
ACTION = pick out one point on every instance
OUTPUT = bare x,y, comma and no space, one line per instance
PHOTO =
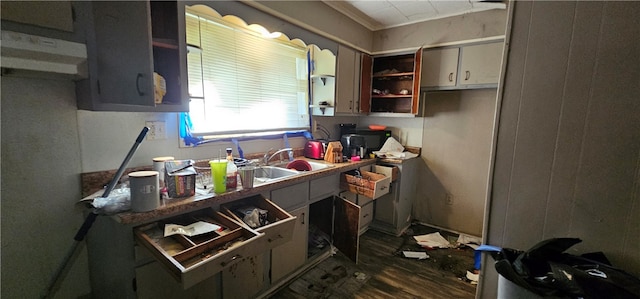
232,171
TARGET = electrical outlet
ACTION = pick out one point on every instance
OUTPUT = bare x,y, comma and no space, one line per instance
315,126
157,130
448,199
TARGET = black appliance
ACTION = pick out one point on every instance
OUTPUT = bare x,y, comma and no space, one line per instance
374,139
353,145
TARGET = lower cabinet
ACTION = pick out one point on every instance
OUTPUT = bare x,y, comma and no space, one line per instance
306,221
154,282
392,211
245,279
290,256
334,221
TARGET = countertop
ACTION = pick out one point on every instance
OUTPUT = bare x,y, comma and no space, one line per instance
177,206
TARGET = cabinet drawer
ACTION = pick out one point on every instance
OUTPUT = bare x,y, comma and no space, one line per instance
324,187
196,258
366,216
291,197
369,184
279,224
390,171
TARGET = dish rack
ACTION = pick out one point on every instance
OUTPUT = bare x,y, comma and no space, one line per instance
204,180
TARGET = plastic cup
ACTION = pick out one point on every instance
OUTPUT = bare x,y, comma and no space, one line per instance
219,175
246,176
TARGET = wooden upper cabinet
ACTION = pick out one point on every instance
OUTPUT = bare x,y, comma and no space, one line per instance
395,84
128,43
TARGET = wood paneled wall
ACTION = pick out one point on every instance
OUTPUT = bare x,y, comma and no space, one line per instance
567,161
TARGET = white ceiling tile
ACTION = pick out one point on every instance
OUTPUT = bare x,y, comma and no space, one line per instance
451,7
380,14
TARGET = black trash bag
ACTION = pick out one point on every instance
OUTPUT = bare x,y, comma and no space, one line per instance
547,271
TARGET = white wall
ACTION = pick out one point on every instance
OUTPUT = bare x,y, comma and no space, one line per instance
41,167
456,154
568,147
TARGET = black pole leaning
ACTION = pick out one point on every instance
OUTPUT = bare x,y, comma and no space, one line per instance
91,218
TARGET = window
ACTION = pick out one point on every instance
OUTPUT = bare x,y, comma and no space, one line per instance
243,82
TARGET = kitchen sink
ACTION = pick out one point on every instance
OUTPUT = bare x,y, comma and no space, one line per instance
266,174
314,165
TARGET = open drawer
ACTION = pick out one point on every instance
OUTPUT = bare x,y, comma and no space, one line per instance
196,258
277,224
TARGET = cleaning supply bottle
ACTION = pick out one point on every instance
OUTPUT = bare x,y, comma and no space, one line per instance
232,171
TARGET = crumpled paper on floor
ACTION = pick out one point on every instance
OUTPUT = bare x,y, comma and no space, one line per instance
433,240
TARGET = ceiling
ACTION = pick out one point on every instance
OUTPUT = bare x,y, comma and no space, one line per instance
383,14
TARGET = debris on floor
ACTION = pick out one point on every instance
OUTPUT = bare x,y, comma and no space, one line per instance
433,240
415,255
471,241
473,277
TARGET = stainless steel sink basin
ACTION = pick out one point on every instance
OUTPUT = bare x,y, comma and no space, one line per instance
314,165
266,174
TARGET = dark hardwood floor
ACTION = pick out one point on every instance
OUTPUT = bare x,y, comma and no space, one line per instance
382,271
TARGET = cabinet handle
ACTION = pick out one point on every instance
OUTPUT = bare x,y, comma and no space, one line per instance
233,258
302,218
140,92
276,238
468,75
451,77
365,215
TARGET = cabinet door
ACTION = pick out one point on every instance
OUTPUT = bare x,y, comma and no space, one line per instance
152,281
417,72
244,279
365,83
127,43
124,53
480,64
347,80
288,257
440,67
346,226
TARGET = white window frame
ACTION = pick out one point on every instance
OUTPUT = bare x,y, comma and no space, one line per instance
260,116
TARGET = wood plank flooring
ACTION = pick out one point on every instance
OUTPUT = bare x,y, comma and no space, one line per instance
382,271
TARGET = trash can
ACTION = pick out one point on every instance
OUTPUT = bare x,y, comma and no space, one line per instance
545,271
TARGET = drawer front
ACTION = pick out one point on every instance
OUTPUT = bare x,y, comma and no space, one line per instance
279,227
366,215
291,197
324,187
194,259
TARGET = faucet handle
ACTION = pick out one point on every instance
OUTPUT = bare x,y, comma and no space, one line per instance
290,152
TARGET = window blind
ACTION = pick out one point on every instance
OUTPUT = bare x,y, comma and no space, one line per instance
242,82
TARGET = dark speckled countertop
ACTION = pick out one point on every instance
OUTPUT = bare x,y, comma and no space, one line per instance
172,207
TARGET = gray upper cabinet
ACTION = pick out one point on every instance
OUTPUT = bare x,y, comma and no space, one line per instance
127,43
440,67
480,64
464,67
347,81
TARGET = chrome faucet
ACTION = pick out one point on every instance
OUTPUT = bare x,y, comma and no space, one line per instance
268,158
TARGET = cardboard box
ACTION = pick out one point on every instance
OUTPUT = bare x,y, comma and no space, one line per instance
180,178
369,184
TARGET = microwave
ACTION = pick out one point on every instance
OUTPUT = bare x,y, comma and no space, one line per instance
374,139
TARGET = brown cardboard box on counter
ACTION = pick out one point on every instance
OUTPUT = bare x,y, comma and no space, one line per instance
180,178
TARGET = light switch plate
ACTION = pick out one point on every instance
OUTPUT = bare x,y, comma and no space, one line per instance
157,130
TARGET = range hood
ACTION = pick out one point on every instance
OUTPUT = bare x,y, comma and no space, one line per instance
34,54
